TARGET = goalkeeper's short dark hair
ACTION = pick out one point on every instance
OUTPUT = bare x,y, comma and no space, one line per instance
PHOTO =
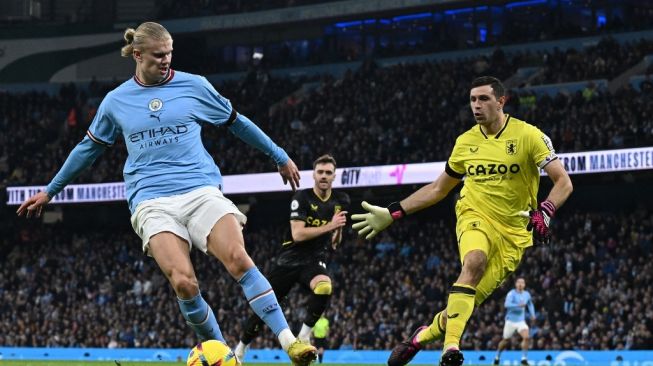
325,159
496,85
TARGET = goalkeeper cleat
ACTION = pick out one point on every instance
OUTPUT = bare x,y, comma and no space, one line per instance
406,350
452,357
302,353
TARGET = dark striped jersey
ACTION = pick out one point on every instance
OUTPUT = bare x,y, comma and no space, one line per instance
306,206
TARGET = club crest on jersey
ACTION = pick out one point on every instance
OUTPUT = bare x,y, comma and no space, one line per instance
155,104
511,147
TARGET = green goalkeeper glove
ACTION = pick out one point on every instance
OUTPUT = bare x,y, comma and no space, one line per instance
376,219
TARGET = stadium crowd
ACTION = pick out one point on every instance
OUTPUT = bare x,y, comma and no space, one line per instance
371,116
197,8
67,286
429,34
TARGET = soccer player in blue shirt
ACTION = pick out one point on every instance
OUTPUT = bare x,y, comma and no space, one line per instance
173,185
517,301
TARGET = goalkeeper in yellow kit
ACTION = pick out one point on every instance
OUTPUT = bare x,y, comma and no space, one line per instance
500,159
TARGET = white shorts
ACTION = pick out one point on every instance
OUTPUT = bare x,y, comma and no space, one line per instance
511,327
190,216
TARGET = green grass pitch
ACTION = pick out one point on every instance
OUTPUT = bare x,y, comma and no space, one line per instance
112,363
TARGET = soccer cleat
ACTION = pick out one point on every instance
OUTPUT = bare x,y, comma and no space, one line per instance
452,357
524,362
496,361
239,351
301,353
406,350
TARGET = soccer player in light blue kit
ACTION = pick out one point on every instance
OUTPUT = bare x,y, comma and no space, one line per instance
174,186
516,303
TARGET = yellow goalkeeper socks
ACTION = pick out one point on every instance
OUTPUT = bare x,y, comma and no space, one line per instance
434,332
459,309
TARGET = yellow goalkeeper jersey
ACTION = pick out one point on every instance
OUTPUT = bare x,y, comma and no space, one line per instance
501,174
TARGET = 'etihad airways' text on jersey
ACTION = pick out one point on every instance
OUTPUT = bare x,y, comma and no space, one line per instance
161,127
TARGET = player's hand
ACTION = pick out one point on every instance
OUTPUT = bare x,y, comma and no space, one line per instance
290,173
339,220
539,221
336,238
373,222
33,206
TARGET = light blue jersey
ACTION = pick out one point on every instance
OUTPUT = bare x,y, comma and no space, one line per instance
514,312
161,126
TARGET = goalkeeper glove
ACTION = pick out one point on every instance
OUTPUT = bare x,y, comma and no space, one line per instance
376,219
539,221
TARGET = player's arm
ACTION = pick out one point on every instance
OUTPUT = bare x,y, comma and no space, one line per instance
545,158
531,307
562,186
250,133
100,134
336,238
430,194
216,109
511,302
540,218
301,232
378,218
80,158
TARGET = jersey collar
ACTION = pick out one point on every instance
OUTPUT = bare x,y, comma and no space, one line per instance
500,132
169,76
320,198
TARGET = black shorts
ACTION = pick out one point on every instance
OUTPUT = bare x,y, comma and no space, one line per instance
320,343
282,278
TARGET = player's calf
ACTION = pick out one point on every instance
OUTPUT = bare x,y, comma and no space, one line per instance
200,317
317,303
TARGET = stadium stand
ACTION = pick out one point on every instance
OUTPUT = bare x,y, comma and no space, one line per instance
176,9
390,107
72,285
62,285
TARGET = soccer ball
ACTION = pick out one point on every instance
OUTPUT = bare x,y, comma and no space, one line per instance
211,353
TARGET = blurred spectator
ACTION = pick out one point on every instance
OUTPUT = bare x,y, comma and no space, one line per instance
70,286
403,113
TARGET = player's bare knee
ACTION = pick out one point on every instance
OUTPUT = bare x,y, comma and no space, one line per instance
474,266
238,262
321,285
185,285
322,288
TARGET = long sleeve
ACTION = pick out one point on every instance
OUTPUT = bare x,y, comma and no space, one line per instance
249,132
511,302
80,158
531,307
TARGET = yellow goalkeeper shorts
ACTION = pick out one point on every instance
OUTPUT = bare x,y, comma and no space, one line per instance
477,233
